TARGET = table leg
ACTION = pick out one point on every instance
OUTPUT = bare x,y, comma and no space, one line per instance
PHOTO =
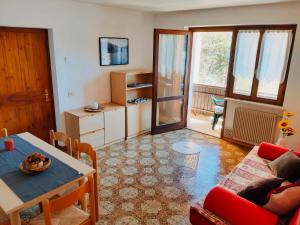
15,218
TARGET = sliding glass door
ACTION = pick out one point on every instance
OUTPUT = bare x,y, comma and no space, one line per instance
170,79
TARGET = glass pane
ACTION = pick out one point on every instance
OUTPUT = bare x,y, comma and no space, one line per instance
172,54
211,53
273,62
244,62
169,112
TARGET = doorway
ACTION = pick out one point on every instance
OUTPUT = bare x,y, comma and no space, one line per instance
209,71
26,96
171,67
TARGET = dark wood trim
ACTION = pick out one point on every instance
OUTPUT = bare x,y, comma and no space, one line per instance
255,81
282,87
51,77
243,27
188,76
170,98
154,80
229,85
175,126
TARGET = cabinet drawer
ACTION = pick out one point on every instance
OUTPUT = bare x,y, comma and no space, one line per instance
91,123
96,138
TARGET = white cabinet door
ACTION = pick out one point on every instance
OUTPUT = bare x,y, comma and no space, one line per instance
134,120
138,118
147,116
114,125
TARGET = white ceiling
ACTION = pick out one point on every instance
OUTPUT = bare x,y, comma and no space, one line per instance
176,5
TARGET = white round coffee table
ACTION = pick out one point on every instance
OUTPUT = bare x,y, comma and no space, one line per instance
186,157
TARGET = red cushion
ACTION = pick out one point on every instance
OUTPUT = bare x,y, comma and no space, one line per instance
296,218
237,210
271,152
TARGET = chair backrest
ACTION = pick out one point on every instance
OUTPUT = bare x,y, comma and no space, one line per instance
3,132
69,199
88,149
217,101
56,137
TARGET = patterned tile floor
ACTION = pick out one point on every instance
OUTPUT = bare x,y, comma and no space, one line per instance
139,182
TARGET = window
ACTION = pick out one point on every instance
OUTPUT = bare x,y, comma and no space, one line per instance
259,68
244,63
211,54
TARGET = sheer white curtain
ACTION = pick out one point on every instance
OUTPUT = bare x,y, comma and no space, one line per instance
274,55
244,62
245,53
171,64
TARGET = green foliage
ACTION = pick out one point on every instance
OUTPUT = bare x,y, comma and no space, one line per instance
215,53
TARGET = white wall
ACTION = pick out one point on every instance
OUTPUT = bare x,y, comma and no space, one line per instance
74,29
286,13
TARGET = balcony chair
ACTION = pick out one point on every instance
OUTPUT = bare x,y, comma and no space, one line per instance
218,109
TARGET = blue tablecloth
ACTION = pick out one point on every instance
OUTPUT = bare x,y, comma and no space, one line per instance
28,187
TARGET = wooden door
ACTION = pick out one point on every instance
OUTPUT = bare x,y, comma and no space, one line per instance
26,99
171,67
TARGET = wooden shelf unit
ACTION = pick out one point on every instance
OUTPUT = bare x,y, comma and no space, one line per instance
138,116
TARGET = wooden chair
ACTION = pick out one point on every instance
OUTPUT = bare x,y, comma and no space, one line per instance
56,137
3,132
4,220
88,150
62,210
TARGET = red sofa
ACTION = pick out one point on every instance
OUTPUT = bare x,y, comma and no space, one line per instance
222,206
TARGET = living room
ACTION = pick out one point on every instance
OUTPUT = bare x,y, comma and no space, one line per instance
152,165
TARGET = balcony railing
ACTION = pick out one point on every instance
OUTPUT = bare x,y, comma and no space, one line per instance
202,103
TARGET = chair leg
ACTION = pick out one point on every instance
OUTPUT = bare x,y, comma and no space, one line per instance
215,120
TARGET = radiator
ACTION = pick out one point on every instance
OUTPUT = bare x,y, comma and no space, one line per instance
253,127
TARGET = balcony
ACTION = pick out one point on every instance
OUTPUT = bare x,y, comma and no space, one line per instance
203,109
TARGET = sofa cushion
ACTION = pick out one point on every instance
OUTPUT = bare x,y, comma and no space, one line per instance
257,191
270,151
285,201
286,166
252,168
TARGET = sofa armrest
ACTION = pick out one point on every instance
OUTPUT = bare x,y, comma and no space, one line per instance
271,152
237,210
296,218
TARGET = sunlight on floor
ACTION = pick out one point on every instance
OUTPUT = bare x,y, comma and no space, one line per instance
202,123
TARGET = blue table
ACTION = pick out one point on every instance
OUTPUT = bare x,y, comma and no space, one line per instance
19,191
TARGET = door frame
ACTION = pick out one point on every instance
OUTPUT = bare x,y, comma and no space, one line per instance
50,65
218,29
182,124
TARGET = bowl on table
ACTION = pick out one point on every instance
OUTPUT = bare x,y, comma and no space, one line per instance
35,163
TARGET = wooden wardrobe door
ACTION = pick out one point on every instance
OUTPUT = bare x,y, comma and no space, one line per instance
26,99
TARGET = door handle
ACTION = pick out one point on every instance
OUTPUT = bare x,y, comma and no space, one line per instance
46,94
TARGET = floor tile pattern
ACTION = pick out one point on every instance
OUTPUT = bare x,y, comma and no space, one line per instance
140,185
